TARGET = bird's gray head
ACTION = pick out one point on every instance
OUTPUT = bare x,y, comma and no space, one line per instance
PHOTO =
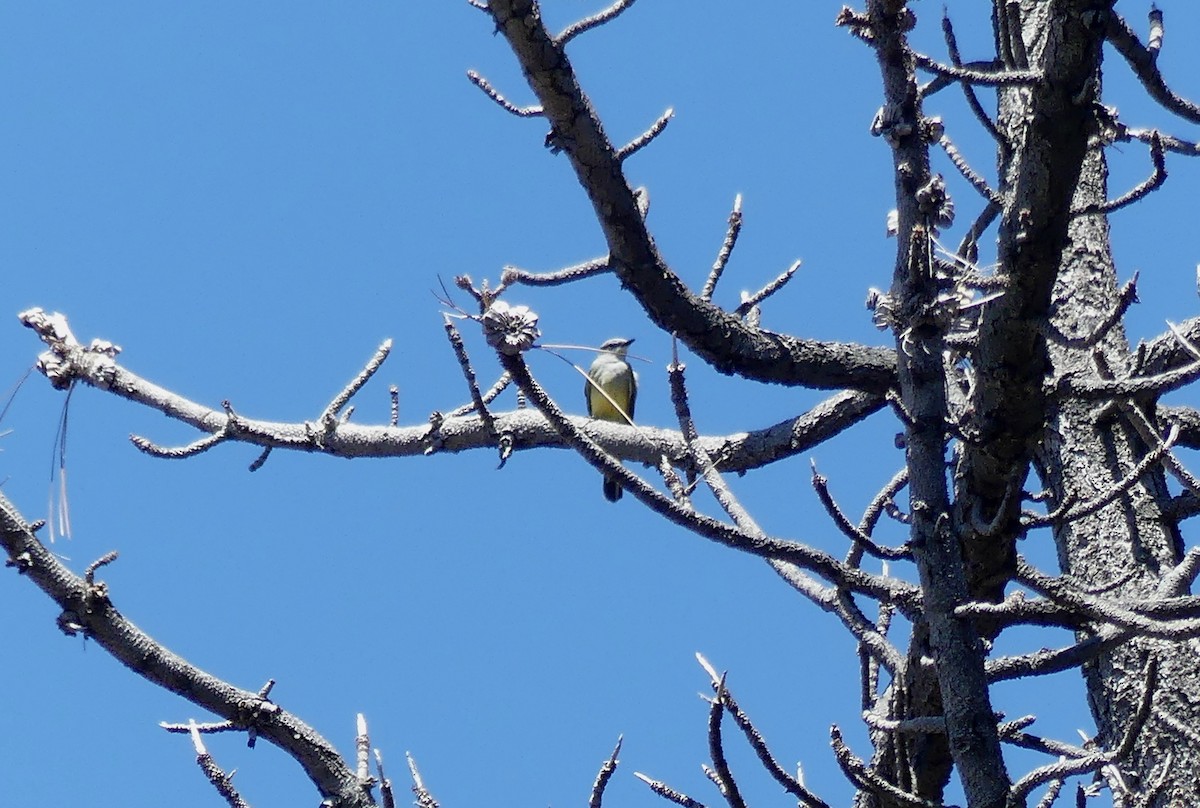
618,346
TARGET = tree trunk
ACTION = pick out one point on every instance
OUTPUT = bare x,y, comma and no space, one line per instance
1125,548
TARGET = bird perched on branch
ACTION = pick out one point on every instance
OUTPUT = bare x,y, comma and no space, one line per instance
611,374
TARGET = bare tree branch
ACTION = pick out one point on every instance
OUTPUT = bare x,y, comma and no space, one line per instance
1143,61
87,609
864,778
968,91
1151,183
668,793
494,94
644,139
731,237
904,595
594,21
605,774
724,698
424,797
821,484
721,339
587,269
973,75
1166,352
221,781
977,182
742,451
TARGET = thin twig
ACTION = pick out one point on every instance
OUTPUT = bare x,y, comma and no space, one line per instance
968,248
752,300
1156,385
464,362
886,494
385,785
1143,61
221,781
604,775
644,139
1126,298
89,574
588,23
969,91
178,452
790,784
424,798
665,791
1147,433
1149,679
501,384
1045,662
969,174
328,418
722,775
731,236
1151,183
1102,610
1170,143
510,275
1054,771
821,484
1064,514
1016,41
866,778
971,75
531,111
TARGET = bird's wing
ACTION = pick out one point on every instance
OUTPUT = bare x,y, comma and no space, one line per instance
633,380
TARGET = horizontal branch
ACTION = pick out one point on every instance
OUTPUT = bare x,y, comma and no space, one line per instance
983,74
742,451
1101,610
1096,388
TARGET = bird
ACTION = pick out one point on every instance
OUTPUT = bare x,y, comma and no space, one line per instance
612,374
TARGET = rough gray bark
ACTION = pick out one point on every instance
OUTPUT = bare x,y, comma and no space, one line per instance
1126,548
1041,377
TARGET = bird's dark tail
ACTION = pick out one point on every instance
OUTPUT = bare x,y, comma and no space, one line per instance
612,489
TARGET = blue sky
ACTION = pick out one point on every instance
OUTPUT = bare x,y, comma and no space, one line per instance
250,197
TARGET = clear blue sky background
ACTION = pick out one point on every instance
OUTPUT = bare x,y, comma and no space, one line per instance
250,197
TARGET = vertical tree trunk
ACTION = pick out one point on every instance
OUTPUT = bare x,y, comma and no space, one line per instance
1123,549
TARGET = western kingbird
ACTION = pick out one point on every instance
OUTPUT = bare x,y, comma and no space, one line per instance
612,374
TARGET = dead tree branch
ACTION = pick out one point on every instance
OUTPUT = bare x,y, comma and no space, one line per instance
1144,62
88,610
721,339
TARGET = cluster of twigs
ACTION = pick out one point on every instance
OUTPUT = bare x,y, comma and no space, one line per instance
871,378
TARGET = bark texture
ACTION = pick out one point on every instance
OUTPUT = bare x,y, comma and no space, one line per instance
1126,548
